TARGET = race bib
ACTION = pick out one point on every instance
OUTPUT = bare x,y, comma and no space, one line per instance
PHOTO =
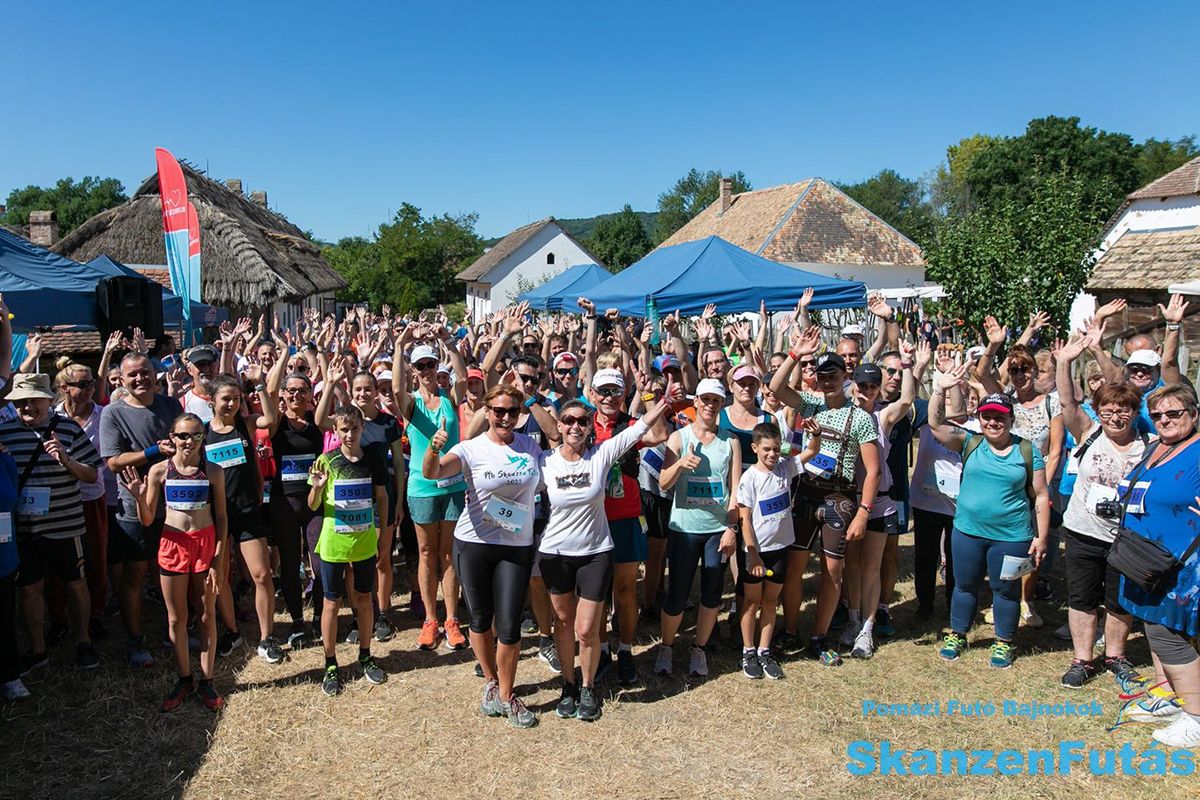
453,480
34,501
186,495
506,514
295,468
353,520
822,466
226,454
1072,465
704,491
616,484
774,506
1135,497
653,461
948,477
6,527
266,493
352,493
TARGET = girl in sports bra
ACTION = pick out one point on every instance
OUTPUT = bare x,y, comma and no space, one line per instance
190,550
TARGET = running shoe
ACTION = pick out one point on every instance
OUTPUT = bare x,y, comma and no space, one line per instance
372,671
300,637
651,614
953,646
864,645
455,639
176,697
883,623
603,665
751,667
697,662
86,656
519,715
568,701
428,638
529,625
383,631
1126,675
1003,655
850,633
416,606
31,662
478,670
1029,617
139,656
1079,673
331,683
589,705
14,690
664,660
923,613
269,650
209,697
56,634
770,666
840,616
548,655
1063,632
1158,705
787,642
1042,590
626,669
820,649
352,634
491,705
229,641
989,616
1184,732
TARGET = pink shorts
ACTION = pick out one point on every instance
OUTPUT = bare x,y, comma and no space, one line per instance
186,552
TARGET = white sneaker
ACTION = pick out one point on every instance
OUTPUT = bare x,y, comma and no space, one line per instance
664,661
1029,617
1183,732
1157,706
14,690
1063,632
864,645
697,663
850,633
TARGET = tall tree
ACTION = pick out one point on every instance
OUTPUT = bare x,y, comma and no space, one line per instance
690,195
619,240
411,262
949,191
898,201
73,203
1156,158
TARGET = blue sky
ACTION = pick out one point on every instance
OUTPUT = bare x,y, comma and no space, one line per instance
518,111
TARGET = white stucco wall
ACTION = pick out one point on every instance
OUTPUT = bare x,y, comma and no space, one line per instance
874,276
1155,215
526,267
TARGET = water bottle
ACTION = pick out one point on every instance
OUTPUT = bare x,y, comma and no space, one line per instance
652,321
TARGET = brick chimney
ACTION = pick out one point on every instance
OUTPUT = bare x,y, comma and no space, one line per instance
234,184
726,194
259,198
43,228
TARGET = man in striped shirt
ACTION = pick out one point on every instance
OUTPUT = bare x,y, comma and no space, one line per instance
49,515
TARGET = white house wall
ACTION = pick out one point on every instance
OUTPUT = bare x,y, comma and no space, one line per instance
874,276
525,267
1155,215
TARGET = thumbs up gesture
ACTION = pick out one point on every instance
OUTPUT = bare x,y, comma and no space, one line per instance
691,458
439,439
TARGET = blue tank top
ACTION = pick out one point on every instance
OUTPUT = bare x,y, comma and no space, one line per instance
701,497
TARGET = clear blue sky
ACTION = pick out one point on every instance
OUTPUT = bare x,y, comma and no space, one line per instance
518,111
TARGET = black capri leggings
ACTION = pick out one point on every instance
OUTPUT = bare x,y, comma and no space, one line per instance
494,578
687,552
290,518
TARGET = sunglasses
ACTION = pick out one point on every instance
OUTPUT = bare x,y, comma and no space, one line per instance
891,371
529,344
296,390
569,422
81,384
1018,370
300,366
500,411
1141,368
564,373
610,391
1174,413
425,366
185,437
529,378
807,364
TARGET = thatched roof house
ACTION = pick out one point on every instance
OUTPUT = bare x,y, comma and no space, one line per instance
252,257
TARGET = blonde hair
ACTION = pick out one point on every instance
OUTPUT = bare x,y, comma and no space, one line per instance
70,371
608,360
62,362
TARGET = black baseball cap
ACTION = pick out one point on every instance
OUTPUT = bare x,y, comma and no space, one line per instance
831,362
997,402
868,373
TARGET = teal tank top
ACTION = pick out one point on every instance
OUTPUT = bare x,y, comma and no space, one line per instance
421,428
701,498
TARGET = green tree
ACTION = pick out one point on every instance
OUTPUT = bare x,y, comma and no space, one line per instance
1156,158
898,201
690,195
949,191
1017,257
619,240
411,261
73,203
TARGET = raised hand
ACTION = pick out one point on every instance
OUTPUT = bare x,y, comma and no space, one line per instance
878,306
1038,320
806,341
133,482
34,345
810,426
1110,309
691,458
709,312
587,305
139,342
741,330
704,330
995,332
1073,348
440,437
948,380
113,343
924,354
946,357
54,449
1174,310
318,476
805,300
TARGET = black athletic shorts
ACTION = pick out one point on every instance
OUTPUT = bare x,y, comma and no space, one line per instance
589,576
40,557
774,561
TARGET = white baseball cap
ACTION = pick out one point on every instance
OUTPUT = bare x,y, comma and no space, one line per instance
608,377
711,386
1147,358
422,353
852,330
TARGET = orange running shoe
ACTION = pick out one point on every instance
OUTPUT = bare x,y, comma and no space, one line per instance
429,635
454,635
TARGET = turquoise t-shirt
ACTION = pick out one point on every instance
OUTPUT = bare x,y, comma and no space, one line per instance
992,502
421,428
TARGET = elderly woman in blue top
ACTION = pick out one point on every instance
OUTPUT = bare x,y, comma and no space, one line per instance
1164,487
1002,502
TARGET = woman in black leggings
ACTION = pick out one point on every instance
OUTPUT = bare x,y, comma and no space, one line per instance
493,540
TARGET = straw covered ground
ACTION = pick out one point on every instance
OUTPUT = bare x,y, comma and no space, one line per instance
420,734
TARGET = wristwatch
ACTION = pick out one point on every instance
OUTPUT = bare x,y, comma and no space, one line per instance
261,387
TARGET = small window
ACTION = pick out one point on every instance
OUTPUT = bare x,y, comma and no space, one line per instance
549,258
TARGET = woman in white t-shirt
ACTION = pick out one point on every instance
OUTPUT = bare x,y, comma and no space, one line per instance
1107,452
493,540
575,554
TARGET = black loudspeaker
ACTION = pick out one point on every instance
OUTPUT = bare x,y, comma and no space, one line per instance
125,302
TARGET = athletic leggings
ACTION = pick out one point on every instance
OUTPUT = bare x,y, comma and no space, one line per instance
928,529
10,665
494,578
1173,648
290,517
975,559
686,551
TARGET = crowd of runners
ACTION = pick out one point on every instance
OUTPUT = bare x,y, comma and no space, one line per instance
569,476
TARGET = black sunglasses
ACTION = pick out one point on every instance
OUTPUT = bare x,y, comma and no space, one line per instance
564,373
81,384
610,391
529,378
1174,413
500,411
582,422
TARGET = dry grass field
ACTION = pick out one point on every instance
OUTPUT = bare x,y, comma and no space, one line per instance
420,734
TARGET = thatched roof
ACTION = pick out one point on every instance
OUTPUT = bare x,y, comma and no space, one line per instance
251,256
504,248
810,222
1151,261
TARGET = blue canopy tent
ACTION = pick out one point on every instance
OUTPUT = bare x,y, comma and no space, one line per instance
565,288
691,275
42,288
172,303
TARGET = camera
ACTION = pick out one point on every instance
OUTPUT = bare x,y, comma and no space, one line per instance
1109,509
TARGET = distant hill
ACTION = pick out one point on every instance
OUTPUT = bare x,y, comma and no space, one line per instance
582,228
